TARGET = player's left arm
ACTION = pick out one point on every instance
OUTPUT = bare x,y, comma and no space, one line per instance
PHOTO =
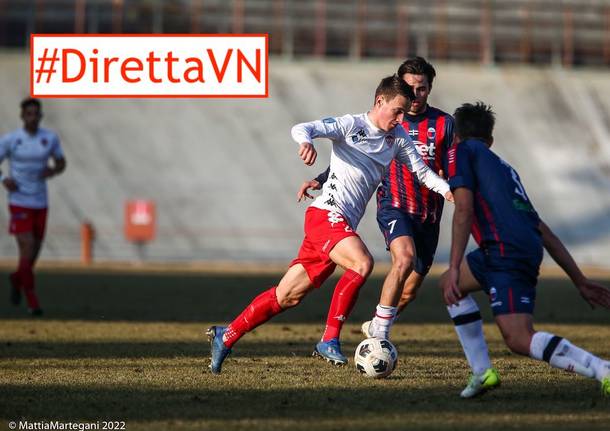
408,155
58,158
595,294
460,232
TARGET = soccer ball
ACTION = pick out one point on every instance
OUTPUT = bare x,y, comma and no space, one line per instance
376,358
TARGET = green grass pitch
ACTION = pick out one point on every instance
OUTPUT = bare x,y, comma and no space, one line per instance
130,347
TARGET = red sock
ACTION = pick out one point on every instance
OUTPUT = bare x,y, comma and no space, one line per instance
26,278
261,309
344,298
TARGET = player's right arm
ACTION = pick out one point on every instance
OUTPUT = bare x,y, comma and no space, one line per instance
315,184
595,294
304,134
5,150
462,181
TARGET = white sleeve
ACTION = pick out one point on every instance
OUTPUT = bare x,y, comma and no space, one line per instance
57,151
331,128
5,146
407,154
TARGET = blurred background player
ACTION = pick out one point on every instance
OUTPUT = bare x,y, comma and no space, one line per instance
492,203
363,147
28,150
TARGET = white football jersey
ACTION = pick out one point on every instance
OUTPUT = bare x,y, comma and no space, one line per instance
360,155
28,156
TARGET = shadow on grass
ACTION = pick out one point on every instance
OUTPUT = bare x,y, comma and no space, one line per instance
66,402
196,298
168,350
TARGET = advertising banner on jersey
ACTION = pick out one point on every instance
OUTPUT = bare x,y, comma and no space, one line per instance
85,65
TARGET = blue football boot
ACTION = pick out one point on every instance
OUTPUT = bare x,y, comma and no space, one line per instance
331,351
219,351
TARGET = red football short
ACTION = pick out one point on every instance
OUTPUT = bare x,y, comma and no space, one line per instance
323,230
28,220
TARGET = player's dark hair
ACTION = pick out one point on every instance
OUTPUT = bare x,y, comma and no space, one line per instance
392,86
474,121
417,66
30,101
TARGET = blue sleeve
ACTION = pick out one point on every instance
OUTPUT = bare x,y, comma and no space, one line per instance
460,167
323,177
447,141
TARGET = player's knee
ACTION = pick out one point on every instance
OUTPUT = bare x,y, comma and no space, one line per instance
364,266
403,263
289,300
516,344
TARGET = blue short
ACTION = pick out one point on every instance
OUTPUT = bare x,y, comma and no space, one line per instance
394,222
510,285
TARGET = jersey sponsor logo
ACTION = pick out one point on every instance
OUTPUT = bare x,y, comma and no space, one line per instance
326,245
360,135
519,205
329,120
426,151
496,304
525,300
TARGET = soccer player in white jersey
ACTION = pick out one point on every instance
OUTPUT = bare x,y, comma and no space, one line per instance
362,148
28,150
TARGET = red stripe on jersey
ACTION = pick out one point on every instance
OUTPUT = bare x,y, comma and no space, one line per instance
394,184
452,160
410,190
440,139
511,304
490,221
425,192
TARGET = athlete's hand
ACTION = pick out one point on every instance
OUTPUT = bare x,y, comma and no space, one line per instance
449,196
10,184
595,294
302,193
47,172
449,286
308,153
